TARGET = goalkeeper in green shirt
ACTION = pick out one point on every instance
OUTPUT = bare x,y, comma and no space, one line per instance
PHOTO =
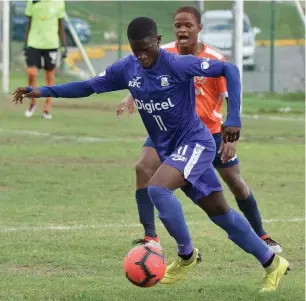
44,36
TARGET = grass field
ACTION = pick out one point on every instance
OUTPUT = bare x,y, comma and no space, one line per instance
68,215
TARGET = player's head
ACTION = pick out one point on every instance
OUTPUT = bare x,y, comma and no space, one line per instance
187,25
144,40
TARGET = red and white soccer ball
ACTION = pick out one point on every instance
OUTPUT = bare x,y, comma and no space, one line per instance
144,265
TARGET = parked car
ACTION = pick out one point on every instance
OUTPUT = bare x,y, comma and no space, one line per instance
19,23
218,32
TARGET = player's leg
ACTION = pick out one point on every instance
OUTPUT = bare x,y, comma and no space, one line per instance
33,61
180,169
230,173
161,186
237,228
166,179
145,168
50,60
247,203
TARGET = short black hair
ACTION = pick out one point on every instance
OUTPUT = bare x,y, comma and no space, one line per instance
141,28
191,10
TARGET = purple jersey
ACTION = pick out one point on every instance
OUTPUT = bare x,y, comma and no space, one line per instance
165,96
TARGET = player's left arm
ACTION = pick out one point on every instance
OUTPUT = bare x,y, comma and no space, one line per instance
186,67
61,30
110,80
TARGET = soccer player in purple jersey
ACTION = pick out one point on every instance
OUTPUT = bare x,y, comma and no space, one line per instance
209,97
162,84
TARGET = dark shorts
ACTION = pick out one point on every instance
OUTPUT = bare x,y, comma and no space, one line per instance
42,58
194,160
217,161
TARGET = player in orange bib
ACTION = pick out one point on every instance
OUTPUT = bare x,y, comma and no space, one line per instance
210,93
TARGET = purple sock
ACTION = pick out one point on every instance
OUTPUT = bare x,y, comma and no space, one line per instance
241,233
171,214
146,211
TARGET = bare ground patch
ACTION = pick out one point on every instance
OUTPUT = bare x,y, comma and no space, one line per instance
75,161
41,270
106,107
5,140
4,188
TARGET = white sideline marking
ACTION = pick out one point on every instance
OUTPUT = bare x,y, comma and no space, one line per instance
5,229
89,139
82,139
273,118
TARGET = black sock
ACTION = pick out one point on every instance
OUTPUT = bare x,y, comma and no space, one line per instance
268,263
186,257
251,212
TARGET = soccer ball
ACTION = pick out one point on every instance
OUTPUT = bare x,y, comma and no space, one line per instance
144,265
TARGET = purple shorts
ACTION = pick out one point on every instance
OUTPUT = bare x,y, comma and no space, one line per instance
194,160
217,163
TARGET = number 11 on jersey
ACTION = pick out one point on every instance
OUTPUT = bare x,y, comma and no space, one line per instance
160,123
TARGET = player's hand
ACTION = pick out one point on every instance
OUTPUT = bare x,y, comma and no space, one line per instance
230,133
227,151
20,93
127,102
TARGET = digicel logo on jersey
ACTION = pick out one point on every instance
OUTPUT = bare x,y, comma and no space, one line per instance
153,106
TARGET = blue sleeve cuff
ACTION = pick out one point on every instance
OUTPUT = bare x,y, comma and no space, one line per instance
29,89
232,121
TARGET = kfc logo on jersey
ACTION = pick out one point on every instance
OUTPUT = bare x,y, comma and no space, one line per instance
152,106
135,83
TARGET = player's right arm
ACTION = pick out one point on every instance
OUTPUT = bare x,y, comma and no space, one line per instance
110,80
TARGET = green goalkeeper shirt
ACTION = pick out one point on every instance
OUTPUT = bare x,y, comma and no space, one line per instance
45,14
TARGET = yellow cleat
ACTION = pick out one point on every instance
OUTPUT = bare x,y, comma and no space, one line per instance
179,268
274,274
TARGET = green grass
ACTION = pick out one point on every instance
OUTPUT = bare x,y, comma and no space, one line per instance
274,103
104,16
58,181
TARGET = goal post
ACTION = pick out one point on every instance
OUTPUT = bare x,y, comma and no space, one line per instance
5,60
238,15
80,46
300,6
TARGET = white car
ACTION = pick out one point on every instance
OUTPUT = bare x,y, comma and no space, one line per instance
218,33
